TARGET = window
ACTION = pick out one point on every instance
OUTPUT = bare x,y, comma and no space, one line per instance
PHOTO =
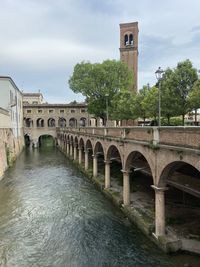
82,110
126,39
51,110
28,111
72,110
40,111
62,111
35,102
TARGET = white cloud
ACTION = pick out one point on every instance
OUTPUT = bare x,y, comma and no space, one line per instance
41,40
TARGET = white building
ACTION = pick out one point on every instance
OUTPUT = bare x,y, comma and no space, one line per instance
11,106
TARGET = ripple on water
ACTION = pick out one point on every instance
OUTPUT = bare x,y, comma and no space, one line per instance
52,216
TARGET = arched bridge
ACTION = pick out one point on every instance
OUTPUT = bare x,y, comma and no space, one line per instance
168,156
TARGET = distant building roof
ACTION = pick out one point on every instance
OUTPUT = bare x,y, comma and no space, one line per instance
43,105
32,94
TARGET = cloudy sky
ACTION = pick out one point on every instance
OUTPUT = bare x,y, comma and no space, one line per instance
42,40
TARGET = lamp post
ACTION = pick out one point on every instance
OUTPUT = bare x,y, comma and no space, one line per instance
106,95
159,74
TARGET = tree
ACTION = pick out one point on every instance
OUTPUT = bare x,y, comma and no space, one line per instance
170,100
150,103
194,98
181,81
122,106
98,81
139,106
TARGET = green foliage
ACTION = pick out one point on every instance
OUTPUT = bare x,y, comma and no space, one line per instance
98,81
150,103
122,106
176,85
139,104
194,96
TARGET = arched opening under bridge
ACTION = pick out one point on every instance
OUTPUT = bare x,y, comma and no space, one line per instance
46,141
113,158
182,199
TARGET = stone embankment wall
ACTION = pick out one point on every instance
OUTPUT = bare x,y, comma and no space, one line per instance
10,147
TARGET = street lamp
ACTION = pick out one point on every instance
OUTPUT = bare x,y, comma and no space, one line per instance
106,95
159,74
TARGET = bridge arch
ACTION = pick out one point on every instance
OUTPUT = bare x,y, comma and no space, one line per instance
46,139
181,181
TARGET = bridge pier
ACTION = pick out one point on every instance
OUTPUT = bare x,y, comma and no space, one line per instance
80,155
75,152
67,148
159,210
71,150
126,188
95,166
35,143
107,173
86,159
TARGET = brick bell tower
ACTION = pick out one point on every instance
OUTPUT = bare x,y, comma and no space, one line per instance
129,49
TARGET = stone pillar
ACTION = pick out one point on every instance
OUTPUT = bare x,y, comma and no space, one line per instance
126,188
107,173
35,143
159,210
79,155
86,159
95,166
67,147
71,150
75,152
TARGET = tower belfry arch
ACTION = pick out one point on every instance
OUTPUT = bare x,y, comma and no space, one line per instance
129,49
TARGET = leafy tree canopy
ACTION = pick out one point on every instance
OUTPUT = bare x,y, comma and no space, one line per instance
99,81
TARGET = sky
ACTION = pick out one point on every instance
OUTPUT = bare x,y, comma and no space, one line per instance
42,40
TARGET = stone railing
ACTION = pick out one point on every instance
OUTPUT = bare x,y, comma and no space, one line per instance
188,137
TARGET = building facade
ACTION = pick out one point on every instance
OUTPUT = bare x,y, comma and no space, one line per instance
129,49
11,122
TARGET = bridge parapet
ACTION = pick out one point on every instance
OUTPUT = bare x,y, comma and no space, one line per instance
182,136
188,137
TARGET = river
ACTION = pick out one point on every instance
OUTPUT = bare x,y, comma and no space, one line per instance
51,215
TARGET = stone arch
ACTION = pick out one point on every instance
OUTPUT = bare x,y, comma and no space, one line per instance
40,122
73,122
76,141
62,122
88,145
137,160
112,152
51,122
98,148
28,122
173,167
83,122
81,143
46,139
114,159
182,183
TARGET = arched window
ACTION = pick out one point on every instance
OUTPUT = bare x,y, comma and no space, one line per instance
51,122
62,122
131,39
126,39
